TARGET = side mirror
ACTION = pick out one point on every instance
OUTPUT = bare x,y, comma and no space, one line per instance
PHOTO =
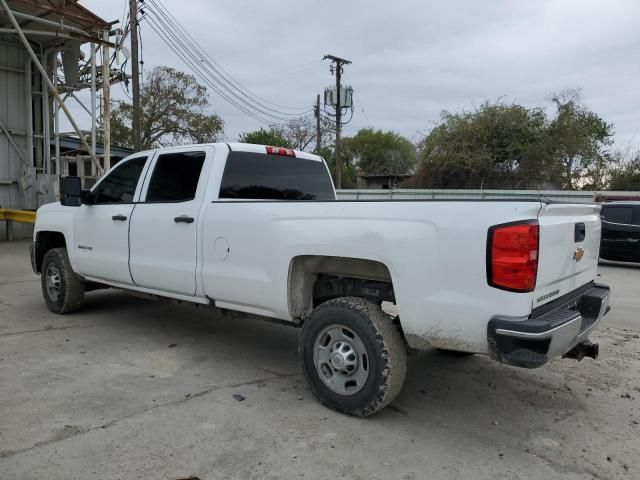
70,191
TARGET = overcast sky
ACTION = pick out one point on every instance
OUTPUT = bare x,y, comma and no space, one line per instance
412,59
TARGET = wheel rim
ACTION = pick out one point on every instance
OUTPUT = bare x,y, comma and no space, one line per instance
341,360
53,282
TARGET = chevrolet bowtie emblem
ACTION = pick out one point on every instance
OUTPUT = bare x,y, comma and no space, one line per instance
578,254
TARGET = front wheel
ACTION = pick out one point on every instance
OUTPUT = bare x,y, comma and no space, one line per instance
63,291
353,356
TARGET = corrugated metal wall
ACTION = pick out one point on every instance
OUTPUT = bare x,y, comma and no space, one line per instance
14,186
13,116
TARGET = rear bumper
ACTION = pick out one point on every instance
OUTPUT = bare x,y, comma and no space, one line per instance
533,342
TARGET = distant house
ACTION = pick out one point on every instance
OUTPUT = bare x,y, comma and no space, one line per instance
382,181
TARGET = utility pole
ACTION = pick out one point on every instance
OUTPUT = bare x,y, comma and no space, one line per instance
318,132
106,99
339,62
135,73
94,119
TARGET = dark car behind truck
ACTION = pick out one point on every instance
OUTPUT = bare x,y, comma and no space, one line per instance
620,239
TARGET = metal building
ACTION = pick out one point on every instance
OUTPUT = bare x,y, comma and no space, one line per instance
49,50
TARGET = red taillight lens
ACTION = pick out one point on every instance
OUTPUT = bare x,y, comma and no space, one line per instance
287,152
512,256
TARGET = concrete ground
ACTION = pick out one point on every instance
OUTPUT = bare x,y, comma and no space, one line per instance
131,388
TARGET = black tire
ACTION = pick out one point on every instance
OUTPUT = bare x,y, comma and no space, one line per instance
384,349
454,353
62,290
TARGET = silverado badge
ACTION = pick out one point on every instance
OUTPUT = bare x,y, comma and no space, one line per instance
578,254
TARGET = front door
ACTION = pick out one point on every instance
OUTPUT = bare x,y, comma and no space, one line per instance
164,224
102,229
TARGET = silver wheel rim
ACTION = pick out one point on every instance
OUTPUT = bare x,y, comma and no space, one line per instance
53,282
341,360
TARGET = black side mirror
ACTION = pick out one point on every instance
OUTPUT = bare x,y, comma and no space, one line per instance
70,191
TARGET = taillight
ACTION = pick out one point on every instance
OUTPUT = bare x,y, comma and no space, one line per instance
512,256
287,152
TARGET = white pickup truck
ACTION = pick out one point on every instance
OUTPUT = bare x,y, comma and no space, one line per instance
258,230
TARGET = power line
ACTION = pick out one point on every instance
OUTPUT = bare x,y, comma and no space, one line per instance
177,46
220,70
185,50
224,80
223,83
170,42
365,113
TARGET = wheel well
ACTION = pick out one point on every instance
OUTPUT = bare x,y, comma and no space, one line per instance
314,279
45,241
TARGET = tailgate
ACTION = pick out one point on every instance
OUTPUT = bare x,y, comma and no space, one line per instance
569,248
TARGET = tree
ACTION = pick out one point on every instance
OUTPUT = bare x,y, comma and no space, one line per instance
349,176
173,111
493,146
378,152
626,175
301,132
500,145
273,136
298,133
579,140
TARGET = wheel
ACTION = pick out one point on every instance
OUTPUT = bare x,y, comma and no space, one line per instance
63,291
353,356
454,353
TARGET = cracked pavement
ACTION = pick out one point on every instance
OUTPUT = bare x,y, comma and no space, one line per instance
132,388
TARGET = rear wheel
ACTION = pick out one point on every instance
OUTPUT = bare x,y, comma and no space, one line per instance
63,291
353,356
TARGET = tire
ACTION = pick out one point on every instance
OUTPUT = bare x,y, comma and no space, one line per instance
63,291
360,356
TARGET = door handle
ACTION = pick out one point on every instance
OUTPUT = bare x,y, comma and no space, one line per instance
183,219
579,232
119,218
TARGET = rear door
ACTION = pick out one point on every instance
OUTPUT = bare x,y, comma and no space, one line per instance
164,226
568,251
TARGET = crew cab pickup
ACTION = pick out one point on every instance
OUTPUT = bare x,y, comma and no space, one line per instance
258,230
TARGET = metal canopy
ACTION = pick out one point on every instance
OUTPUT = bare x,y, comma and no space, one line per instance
43,65
51,21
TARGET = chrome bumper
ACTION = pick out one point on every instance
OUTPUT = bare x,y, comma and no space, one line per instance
532,342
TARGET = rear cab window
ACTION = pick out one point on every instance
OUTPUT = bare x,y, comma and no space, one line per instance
261,176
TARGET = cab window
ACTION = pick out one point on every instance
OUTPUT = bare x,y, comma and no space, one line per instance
259,176
175,177
119,185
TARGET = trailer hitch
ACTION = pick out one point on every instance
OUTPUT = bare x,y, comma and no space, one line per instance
583,349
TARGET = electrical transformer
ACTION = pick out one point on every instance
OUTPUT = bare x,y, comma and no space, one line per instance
346,97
